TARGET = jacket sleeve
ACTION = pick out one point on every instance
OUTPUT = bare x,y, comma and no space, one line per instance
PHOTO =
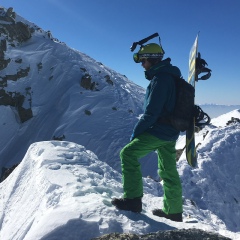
158,95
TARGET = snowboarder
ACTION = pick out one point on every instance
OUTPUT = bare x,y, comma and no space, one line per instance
149,135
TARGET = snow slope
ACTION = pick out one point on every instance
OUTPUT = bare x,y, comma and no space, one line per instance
101,119
59,104
63,191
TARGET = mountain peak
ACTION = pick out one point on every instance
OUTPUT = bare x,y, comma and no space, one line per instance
49,90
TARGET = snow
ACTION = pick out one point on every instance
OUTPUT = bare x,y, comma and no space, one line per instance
60,190
63,189
58,101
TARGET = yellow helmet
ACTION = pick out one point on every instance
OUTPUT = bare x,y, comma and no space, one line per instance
151,50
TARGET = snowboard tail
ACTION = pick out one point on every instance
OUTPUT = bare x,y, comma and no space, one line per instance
191,152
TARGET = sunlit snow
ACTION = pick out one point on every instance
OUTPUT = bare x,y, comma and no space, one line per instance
63,189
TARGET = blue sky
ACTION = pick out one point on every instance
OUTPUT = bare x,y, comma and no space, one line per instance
105,30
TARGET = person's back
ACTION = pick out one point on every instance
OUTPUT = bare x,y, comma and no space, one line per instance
161,94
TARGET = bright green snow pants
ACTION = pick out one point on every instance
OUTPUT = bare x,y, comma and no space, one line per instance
132,176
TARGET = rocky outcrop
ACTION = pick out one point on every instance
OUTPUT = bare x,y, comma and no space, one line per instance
16,31
8,15
11,29
6,172
108,80
13,33
3,48
16,99
25,114
233,120
14,77
86,82
179,234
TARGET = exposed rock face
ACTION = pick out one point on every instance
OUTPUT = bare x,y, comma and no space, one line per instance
16,31
3,48
6,172
86,82
233,120
180,234
108,80
13,33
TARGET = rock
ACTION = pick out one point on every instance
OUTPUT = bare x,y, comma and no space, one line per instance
179,234
86,82
7,171
24,114
108,80
17,31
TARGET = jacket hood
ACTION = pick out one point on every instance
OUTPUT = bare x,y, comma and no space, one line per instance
163,66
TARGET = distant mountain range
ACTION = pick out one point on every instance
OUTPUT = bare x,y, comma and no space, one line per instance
215,110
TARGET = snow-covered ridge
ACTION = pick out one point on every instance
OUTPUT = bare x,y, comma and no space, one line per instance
59,179
61,190
62,94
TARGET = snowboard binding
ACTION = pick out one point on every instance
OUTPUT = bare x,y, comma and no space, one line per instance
201,68
201,118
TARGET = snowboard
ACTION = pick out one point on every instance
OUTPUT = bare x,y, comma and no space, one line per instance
191,153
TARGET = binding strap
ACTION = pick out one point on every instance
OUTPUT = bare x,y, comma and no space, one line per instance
201,68
201,118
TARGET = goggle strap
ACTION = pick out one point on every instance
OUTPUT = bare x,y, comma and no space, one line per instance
150,55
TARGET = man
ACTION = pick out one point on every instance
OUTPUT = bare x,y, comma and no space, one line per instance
152,134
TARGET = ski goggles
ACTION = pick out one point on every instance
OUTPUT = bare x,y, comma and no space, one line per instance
138,57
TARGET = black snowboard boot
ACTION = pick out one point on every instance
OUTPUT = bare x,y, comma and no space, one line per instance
177,217
134,205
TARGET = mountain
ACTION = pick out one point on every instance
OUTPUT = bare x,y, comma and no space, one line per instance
64,119
50,91
215,110
61,190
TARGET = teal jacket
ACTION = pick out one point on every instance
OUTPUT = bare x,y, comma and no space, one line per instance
159,101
